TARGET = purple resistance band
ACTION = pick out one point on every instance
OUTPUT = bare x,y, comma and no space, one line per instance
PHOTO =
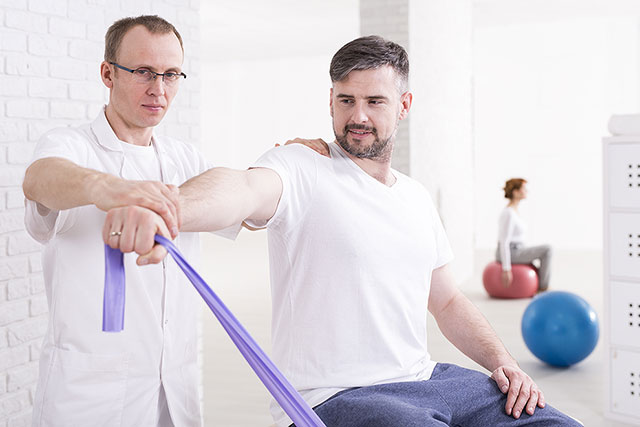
282,391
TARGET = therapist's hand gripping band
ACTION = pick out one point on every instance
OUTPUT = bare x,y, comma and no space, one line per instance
282,391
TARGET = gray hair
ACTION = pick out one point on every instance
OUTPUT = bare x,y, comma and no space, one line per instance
370,52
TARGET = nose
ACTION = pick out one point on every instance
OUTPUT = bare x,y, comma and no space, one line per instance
359,113
156,87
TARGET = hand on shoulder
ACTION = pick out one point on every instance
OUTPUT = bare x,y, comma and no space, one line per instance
318,145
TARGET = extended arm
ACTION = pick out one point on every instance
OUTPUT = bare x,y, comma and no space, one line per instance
463,324
222,197
59,184
214,200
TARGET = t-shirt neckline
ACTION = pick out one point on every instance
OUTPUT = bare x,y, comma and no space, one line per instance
336,149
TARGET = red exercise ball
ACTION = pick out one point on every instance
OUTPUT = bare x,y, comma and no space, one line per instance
524,285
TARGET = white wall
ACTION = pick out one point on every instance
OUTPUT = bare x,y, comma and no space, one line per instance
50,54
545,87
266,69
441,132
250,105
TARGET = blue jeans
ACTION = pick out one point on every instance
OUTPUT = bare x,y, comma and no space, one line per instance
453,396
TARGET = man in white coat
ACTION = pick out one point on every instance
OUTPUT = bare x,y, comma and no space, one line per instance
147,374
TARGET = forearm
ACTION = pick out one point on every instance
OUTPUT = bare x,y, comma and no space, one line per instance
60,184
222,197
465,327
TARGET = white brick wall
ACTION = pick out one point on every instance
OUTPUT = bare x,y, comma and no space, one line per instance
50,53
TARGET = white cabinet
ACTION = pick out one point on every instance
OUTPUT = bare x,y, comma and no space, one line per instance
622,272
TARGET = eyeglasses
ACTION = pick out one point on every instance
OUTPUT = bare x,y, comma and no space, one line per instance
142,75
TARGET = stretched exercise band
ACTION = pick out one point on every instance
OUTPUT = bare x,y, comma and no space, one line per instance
281,390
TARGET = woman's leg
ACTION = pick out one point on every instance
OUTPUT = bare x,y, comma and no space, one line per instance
525,255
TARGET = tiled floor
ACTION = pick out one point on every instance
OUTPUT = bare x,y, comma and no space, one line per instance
234,397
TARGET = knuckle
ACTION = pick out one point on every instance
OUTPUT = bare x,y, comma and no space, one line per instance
131,214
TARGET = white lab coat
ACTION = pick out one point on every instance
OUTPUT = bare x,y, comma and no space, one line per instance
93,378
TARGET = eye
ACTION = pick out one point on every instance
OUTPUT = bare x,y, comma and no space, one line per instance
171,76
346,101
140,72
375,102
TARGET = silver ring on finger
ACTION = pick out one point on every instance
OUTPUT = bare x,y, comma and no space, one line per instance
115,233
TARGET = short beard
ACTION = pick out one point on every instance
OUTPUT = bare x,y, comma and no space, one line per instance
379,151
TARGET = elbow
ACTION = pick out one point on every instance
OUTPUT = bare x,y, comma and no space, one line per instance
28,183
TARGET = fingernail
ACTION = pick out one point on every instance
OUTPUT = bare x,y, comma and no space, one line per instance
144,261
504,388
516,414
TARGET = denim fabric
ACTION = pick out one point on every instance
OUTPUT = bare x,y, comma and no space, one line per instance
453,396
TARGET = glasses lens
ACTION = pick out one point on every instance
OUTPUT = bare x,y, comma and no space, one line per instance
171,78
142,76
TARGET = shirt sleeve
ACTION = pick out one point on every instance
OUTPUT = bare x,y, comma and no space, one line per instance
506,226
40,222
297,168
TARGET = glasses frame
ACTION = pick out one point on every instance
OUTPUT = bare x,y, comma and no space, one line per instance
153,73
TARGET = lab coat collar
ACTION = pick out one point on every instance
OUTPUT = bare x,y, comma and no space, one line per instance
103,132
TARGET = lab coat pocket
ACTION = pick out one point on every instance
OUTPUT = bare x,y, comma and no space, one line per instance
84,389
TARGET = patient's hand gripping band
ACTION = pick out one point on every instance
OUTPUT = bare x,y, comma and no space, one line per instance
282,391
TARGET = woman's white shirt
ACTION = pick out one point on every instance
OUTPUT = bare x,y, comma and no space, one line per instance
511,229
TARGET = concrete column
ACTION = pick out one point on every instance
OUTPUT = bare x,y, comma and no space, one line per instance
390,19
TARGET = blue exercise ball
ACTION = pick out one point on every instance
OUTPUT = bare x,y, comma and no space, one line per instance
560,328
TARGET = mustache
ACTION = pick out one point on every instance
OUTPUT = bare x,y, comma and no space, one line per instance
355,126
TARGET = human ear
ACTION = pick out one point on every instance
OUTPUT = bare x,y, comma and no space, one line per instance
106,74
405,105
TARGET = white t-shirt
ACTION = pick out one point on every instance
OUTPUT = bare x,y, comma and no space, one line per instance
351,262
145,166
511,229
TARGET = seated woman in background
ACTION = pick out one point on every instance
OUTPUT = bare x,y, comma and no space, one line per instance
511,230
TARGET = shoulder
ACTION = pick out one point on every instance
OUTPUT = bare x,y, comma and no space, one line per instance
412,185
68,133
507,213
293,156
299,151
64,140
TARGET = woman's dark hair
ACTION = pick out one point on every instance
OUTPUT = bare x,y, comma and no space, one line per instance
512,185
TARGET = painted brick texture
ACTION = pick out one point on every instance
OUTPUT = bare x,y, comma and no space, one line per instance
50,53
